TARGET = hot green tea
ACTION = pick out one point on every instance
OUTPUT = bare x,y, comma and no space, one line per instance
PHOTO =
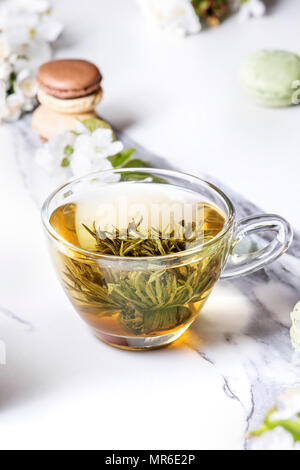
129,292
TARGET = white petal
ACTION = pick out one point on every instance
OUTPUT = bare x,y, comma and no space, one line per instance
25,84
60,176
2,92
80,164
102,137
115,147
101,164
69,138
173,15
23,75
36,6
29,104
37,52
251,8
5,49
5,70
295,315
258,8
4,112
84,144
295,329
49,28
28,87
56,146
44,158
277,439
288,405
81,128
14,103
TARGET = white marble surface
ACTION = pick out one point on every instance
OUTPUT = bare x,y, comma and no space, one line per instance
61,388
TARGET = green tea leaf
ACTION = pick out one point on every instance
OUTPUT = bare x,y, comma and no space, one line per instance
93,124
68,150
136,163
142,301
65,162
120,159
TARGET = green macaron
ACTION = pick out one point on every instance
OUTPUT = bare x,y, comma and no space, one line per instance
270,77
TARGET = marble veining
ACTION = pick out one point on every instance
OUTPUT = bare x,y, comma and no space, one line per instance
12,316
243,332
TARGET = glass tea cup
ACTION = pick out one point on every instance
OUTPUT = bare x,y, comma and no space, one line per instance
145,302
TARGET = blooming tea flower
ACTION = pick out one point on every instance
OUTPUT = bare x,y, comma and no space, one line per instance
77,153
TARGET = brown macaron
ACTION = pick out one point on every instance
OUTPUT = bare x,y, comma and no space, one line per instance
69,78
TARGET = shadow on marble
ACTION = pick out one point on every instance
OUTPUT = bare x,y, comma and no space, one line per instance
255,306
18,385
67,40
121,118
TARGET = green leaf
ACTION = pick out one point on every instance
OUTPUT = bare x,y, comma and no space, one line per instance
293,427
65,162
120,159
137,176
68,150
12,79
32,33
136,163
93,124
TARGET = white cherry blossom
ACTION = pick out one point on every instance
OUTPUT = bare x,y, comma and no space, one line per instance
91,151
69,154
99,144
5,49
5,69
27,29
2,91
80,128
252,8
14,103
176,16
48,28
81,164
287,407
3,107
50,156
26,84
35,6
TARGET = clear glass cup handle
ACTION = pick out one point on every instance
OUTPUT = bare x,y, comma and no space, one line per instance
239,264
